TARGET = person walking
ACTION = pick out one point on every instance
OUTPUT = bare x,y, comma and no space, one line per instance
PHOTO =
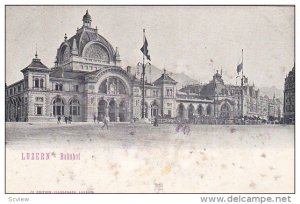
58,120
66,119
155,121
70,119
105,122
95,118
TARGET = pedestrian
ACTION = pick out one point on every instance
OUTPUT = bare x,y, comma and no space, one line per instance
99,118
70,119
155,121
66,119
105,122
95,117
58,119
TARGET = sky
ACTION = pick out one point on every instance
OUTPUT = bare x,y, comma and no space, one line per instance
195,40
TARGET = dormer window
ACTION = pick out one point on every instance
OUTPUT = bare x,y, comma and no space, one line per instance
36,83
42,83
170,92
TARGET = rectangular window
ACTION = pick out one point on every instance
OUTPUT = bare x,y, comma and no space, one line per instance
19,88
169,112
76,88
26,82
39,110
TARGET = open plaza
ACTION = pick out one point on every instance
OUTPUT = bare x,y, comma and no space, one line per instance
142,158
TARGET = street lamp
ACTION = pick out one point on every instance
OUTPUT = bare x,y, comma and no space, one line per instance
143,87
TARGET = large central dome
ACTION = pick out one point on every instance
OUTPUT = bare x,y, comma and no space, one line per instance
86,43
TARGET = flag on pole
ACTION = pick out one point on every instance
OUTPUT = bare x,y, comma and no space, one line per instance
239,68
145,50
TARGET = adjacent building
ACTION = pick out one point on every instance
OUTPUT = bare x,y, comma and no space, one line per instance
289,98
233,101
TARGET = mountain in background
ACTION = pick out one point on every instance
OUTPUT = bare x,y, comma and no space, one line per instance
156,72
184,79
270,91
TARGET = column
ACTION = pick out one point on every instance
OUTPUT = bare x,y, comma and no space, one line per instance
107,86
117,109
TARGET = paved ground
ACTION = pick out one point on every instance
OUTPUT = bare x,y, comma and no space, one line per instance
143,158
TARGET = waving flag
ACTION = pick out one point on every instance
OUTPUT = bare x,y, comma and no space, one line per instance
145,50
239,68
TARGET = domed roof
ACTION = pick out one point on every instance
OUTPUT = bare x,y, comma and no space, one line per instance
87,16
84,38
87,43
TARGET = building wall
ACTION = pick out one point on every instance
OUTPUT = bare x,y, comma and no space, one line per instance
289,98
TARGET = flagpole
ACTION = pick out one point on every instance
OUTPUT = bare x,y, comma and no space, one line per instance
143,78
242,85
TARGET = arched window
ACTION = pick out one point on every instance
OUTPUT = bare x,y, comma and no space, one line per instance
191,112
42,83
56,87
96,51
181,110
60,87
58,107
208,110
154,109
225,111
113,86
200,109
36,83
74,107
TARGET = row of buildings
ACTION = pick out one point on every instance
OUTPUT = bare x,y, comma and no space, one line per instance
88,80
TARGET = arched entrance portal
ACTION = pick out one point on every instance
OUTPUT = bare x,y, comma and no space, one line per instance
200,110
58,107
112,110
102,105
154,109
181,110
191,112
122,111
225,111
114,86
208,110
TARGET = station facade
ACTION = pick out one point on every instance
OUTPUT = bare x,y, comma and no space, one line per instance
88,81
